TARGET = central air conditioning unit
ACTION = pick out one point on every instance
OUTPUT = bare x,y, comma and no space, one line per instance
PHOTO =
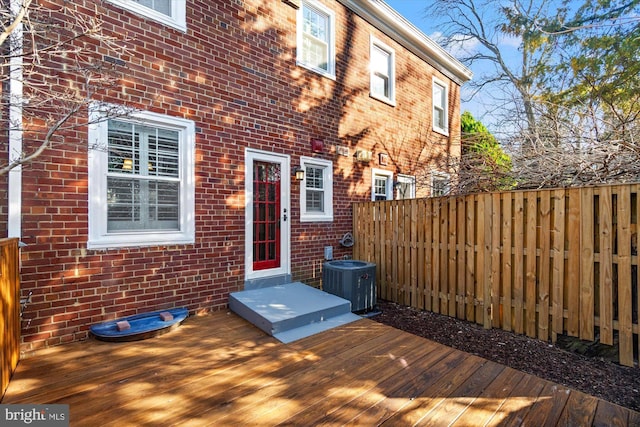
352,280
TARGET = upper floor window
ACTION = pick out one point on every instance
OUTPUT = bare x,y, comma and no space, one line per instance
382,68
316,191
440,107
405,187
141,181
440,184
316,38
168,12
381,185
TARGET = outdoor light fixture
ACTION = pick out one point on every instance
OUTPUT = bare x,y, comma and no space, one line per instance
299,173
127,164
364,156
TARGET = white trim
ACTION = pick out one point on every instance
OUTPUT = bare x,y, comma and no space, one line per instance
327,180
389,185
99,238
445,130
407,179
375,43
14,190
331,54
177,19
285,201
387,20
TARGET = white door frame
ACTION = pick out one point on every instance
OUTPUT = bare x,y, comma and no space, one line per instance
252,155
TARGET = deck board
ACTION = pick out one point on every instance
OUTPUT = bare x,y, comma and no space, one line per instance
491,399
220,370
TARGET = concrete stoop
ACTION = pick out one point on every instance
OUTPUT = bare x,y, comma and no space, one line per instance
291,311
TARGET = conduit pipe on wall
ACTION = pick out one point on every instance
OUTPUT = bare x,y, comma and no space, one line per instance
14,220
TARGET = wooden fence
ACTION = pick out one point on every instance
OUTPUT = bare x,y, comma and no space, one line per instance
540,263
9,309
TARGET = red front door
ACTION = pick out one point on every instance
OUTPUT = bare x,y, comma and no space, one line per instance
266,215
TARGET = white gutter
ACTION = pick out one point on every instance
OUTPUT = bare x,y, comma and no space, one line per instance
14,220
386,19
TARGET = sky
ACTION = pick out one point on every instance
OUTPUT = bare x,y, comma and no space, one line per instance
414,11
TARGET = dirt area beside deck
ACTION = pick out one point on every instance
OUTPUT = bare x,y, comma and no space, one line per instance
596,376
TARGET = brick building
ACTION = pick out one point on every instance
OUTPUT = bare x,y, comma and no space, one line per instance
193,194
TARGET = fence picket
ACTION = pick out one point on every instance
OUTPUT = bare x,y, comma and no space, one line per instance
408,219
531,264
420,244
518,263
435,260
413,235
444,256
461,268
402,252
481,264
545,265
452,256
605,282
380,254
471,271
572,277
557,275
496,317
394,252
634,250
507,261
624,276
486,254
587,268
428,253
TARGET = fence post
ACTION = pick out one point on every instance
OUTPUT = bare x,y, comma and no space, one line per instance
9,309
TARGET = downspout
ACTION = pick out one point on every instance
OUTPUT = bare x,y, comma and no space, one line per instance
14,220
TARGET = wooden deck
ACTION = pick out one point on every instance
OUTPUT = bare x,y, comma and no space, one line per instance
220,370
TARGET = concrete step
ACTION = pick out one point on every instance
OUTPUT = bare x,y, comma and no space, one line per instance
291,311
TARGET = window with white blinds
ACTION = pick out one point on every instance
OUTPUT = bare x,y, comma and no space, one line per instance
316,191
168,12
141,180
143,191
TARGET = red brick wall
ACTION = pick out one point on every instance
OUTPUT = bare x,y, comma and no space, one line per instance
233,72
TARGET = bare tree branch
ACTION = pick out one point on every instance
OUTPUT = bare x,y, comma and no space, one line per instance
59,72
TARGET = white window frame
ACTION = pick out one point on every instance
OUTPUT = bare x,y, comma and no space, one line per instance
389,184
99,237
437,175
178,18
444,106
330,72
406,179
391,71
327,180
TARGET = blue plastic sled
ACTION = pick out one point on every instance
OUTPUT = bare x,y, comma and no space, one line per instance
140,326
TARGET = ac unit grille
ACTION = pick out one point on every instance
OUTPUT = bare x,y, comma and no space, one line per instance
352,280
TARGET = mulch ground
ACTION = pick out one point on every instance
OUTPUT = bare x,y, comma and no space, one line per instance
596,376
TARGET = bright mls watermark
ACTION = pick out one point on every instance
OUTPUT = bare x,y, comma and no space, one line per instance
34,415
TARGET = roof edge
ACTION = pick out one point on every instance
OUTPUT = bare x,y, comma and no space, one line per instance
396,26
